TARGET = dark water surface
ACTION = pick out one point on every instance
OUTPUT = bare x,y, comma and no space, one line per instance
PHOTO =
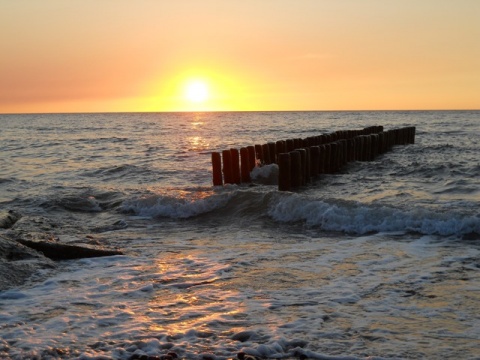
381,260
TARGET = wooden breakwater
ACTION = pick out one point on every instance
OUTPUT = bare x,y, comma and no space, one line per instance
300,160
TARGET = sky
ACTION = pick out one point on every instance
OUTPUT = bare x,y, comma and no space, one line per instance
238,55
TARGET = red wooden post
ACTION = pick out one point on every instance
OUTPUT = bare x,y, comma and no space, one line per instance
251,157
217,169
266,154
272,150
227,166
244,165
259,153
235,166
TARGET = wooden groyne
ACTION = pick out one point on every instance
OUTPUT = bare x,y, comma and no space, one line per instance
300,160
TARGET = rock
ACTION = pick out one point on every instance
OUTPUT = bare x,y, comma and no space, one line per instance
8,218
58,251
18,263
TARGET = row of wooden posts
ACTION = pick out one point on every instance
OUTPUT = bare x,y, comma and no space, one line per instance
300,160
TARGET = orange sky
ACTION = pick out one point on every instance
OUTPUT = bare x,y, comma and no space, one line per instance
123,55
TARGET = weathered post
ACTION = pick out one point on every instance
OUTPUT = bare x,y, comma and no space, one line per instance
235,166
303,165
351,149
381,142
326,158
344,145
244,165
251,157
412,135
368,147
227,166
272,150
314,160
295,169
266,154
333,157
374,150
321,159
259,153
217,169
290,144
297,143
280,147
284,172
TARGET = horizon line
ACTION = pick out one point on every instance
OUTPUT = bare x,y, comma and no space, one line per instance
227,111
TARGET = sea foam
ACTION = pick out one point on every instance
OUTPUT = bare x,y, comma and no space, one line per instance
359,218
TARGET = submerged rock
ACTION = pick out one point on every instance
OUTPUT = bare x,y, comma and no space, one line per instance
58,251
18,263
8,218
29,244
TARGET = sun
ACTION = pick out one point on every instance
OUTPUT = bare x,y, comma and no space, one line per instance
196,91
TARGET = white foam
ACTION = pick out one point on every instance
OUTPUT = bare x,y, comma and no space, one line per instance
177,205
358,218
266,174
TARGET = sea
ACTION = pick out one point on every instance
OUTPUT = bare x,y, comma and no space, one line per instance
378,261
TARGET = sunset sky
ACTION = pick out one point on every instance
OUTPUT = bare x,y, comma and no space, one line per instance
216,55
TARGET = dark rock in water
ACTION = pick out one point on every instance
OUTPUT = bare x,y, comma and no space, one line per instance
8,219
57,251
18,263
31,243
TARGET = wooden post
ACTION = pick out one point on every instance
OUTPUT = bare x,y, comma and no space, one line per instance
259,153
227,166
381,142
344,146
358,148
251,157
272,150
333,158
217,169
314,160
295,169
308,171
280,147
374,150
303,165
326,158
245,165
266,154
412,135
321,159
235,166
297,143
351,149
368,148
290,144
284,172
364,148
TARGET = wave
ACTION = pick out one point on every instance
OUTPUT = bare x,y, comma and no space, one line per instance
235,204
179,204
359,218
83,200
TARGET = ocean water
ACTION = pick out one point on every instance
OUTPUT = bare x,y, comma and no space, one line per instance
379,261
